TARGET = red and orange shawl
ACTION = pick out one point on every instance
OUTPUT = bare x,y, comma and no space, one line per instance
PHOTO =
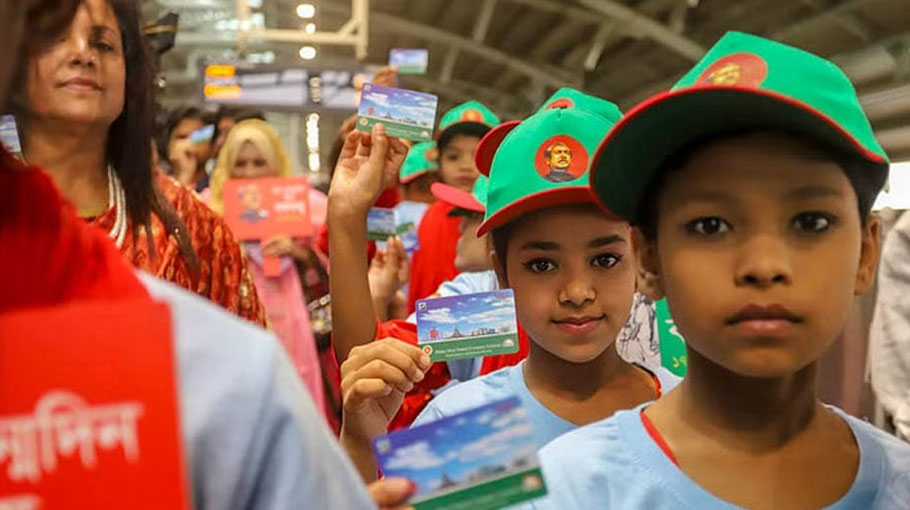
223,276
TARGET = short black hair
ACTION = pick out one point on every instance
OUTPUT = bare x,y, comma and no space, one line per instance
867,184
463,128
238,113
500,237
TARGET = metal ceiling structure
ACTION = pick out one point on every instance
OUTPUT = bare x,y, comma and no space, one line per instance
512,53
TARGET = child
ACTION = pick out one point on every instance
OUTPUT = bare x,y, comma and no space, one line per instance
418,173
573,273
751,184
458,134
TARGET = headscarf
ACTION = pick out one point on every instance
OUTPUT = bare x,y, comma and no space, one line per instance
264,137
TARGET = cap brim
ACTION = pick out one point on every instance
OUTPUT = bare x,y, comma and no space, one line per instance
457,197
548,198
631,154
412,177
488,145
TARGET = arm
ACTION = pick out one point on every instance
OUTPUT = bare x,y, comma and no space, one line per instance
367,165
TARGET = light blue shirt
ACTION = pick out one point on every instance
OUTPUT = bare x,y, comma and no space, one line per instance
615,464
505,383
251,435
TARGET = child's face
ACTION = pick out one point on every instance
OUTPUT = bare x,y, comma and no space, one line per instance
573,272
471,253
456,162
760,252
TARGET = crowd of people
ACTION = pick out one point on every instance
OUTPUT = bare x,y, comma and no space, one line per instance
741,196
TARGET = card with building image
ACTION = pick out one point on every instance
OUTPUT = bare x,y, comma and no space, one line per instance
481,459
9,135
468,326
404,113
382,224
409,61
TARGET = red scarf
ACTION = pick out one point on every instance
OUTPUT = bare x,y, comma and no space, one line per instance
48,255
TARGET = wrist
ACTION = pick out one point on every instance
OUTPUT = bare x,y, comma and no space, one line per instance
345,213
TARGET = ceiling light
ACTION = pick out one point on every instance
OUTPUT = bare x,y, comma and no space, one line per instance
306,11
308,53
310,28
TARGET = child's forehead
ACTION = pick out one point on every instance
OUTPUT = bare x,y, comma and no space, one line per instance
569,221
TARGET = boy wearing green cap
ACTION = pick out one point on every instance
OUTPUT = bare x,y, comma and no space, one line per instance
573,273
418,172
750,184
458,134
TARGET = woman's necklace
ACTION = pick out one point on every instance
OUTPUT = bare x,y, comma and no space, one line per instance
116,198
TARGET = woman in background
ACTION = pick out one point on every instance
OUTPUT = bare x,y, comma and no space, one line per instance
77,122
254,150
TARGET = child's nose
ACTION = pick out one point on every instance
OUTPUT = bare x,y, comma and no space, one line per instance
577,292
764,261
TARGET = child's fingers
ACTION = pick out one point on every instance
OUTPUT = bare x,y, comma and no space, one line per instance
380,146
391,351
391,493
364,390
388,372
351,142
414,352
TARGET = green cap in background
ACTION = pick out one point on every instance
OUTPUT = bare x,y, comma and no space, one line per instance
543,160
422,158
743,83
473,112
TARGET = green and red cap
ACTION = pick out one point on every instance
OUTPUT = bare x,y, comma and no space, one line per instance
467,114
743,83
543,161
475,201
422,159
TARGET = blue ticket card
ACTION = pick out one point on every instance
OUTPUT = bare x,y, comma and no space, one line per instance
481,459
9,136
467,326
409,61
404,113
382,224
203,134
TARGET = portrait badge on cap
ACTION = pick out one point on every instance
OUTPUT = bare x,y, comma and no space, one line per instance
739,69
561,159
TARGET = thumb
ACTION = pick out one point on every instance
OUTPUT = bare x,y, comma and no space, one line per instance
391,492
392,255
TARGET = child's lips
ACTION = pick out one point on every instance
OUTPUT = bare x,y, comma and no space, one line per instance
770,320
578,325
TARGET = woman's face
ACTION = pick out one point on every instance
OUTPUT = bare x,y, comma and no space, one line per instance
81,78
250,163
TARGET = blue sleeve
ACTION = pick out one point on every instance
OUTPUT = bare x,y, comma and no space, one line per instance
301,462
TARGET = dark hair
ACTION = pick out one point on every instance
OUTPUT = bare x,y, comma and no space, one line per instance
175,118
129,145
238,113
867,184
464,128
500,237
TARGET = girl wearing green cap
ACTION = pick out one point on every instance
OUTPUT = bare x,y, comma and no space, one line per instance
751,184
573,272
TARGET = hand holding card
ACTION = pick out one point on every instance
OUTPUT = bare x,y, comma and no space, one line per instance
368,164
374,379
481,459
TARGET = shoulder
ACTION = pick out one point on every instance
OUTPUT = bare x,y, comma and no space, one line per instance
591,463
471,394
890,453
249,427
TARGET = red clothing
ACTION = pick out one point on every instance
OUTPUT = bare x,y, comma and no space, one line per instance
438,375
224,277
388,199
49,256
434,261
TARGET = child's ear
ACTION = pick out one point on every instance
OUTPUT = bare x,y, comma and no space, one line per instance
649,282
500,269
869,252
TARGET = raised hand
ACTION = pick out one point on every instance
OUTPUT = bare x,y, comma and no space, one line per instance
368,164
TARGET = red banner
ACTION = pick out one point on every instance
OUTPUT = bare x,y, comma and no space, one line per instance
88,412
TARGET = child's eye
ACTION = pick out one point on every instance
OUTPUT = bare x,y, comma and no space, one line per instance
813,222
540,265
606,260
709,226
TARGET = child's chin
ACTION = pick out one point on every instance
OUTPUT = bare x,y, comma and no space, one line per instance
765,364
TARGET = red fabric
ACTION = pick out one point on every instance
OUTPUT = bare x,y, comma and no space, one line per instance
49,256
434,261
659,439
224,278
